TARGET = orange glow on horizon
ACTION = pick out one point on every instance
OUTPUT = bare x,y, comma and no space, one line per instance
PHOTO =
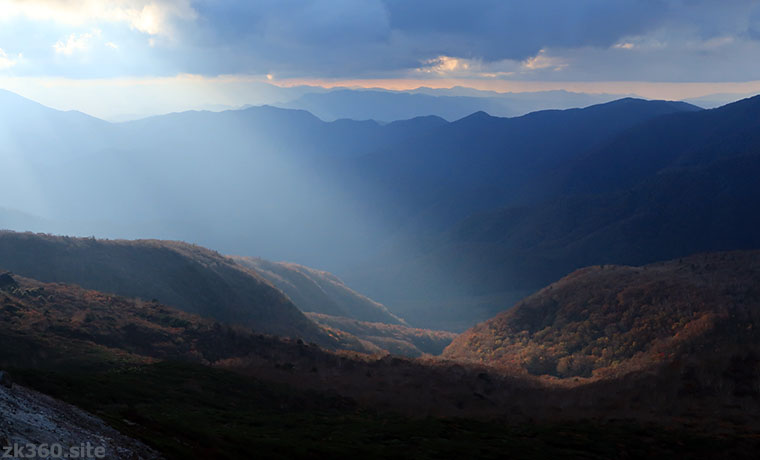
652,90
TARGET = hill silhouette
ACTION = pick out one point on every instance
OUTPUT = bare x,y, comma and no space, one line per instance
54,325
608,321
451,104
188,277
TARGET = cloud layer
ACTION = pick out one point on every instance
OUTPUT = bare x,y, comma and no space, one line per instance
584,40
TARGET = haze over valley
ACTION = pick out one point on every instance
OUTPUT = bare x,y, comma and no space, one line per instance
417,229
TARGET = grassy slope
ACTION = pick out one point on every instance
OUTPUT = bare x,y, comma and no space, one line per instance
185,276
51,325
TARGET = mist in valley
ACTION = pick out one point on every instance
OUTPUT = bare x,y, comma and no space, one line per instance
380,228
404,212
256,182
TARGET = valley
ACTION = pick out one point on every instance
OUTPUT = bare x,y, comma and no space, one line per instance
159,374
568,283
379,229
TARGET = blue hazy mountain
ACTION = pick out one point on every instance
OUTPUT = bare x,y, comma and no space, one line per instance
482,161
443,222
246,181
673,186
712,101
44,134
450,104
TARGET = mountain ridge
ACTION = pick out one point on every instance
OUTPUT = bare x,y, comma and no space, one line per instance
318,291
606,321
188,277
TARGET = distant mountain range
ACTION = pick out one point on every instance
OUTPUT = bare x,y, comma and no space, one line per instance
712,101
481,161
451,104
668,187
671,187
445,223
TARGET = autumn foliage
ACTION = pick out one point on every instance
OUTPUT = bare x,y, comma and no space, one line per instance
608,320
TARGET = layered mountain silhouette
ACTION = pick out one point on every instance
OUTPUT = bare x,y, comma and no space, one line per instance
481,161
451,104
215,177
231,180
267,297
670,187
445,223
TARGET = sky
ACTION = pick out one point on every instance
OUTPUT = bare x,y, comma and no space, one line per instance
110,57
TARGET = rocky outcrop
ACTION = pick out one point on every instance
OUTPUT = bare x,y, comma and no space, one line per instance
7,282
28,417
5,380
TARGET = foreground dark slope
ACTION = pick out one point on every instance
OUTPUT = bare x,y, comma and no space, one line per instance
188,277
608,321
55,326
33,418
139,366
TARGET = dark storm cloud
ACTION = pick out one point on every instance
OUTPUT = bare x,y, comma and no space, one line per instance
495,30
285,35
349,37
391,38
